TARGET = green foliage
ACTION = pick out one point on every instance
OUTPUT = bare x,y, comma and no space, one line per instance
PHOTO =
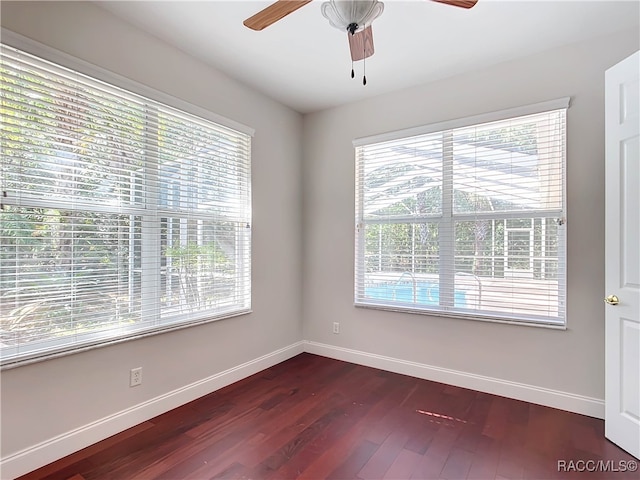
192,255
78,266
399,247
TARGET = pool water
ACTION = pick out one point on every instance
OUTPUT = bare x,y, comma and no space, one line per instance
426,293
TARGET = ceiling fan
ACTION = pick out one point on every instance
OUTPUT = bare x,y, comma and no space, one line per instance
351,16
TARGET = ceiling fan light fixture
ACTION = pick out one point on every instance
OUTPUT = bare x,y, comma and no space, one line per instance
351,15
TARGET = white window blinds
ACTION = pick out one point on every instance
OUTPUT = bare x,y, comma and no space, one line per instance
465,221
120,215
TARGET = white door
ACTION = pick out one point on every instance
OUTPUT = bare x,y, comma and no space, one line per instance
622,235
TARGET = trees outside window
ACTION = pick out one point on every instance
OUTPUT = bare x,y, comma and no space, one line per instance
120,215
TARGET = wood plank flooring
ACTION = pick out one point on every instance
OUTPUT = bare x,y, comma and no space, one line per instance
316,418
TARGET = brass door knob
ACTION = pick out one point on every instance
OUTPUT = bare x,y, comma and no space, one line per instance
612,300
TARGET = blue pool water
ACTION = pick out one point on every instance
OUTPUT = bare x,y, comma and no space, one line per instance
426,293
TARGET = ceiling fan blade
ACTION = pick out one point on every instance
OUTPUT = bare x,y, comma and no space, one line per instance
361,44
273,13
459,3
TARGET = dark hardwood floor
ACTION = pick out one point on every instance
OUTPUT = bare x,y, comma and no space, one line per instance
316,418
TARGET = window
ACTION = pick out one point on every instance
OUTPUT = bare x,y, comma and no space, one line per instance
120,216
466,218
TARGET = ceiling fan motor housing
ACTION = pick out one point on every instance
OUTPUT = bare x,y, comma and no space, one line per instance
351,15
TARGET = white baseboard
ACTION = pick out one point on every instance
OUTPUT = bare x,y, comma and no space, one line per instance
58,447
593,407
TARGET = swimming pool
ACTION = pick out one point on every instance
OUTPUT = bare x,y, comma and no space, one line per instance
426,293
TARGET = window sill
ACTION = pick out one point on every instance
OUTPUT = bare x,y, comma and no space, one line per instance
47,351
399,308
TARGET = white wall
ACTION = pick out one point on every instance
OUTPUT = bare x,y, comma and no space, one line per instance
47,399
567,362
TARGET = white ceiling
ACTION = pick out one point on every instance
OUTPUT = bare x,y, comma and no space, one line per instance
304,63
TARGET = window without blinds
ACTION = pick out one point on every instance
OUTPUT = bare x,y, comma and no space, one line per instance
466,221
120,215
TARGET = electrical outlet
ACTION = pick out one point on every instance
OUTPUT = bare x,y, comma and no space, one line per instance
135,377
336,327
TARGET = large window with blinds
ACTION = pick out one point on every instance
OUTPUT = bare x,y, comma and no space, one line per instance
466,218
121,216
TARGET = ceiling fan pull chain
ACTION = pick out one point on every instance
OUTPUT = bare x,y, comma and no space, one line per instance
353,74
364,72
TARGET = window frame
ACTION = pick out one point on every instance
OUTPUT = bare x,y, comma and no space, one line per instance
448,218
56,347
